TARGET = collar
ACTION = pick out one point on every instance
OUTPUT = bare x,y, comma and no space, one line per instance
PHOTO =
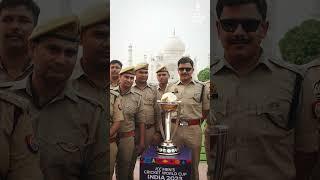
28,68
25,84
117,89
222,63
192,81
159,88
135,85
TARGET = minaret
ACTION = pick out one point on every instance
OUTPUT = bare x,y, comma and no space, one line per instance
130,54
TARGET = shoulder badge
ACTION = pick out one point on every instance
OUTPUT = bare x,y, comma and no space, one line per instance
316,109
316,104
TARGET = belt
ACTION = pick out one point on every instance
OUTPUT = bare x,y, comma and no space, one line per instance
126,134
187,122
148,126
112,140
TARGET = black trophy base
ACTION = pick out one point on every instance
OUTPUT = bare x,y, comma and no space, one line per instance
167,149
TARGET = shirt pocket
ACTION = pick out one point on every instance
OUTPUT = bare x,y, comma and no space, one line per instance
197,97
148,101
130,110
219,108
59,154
275,115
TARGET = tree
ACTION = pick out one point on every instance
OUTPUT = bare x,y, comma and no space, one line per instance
301,44
204,74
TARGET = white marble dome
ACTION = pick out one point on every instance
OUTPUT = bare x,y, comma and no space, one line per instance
173,44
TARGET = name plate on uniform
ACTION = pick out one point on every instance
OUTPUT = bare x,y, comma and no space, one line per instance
159,167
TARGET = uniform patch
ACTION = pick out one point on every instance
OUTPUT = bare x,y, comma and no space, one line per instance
316,89
32,145
213,91
316,109
119,106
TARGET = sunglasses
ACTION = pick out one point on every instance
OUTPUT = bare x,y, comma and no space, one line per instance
249,25
185,69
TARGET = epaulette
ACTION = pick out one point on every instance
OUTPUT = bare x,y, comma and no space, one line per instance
88,99
286,65
314,63
154,87
215,61
114,93
14,99
200,82
6,85
136,92
140,96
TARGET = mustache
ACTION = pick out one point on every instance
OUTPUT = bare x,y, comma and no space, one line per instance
239,40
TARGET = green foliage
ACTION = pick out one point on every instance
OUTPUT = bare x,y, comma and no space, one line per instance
301,44
204,75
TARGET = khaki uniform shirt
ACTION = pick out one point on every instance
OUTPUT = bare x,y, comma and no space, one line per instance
112,86
193,97
210,120
162,91
18,156
84,85
256,109
4,76
71,132
116,110
132,110
151,109
310,106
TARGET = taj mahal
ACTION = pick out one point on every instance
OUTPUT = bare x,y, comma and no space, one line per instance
172,50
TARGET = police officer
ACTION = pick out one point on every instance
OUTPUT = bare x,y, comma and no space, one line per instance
70,128
89,76
192,110
115,68
209,125
116,117
310,108
151,109
256,97
18,154
163,77
17,20
132,104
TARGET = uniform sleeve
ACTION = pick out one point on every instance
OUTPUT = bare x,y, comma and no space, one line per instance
206,98
24,163
307,125
157,111
98,156
117,110
140,116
